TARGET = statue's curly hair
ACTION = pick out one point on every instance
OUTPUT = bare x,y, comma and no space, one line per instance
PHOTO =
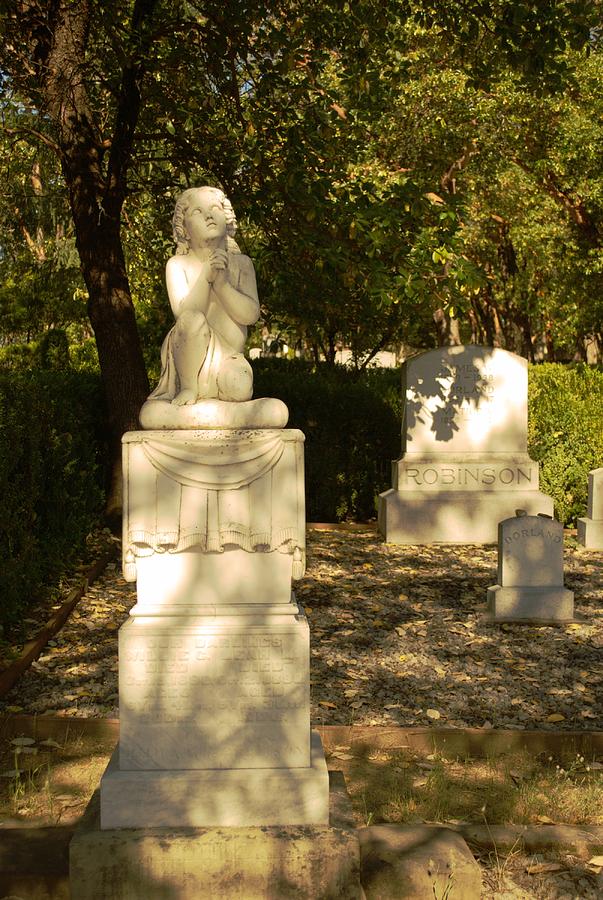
183,203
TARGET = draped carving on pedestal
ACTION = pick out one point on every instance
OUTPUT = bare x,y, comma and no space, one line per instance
212,491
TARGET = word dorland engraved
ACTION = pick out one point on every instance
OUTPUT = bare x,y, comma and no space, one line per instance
552,535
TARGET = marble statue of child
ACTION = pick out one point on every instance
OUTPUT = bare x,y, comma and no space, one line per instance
213,294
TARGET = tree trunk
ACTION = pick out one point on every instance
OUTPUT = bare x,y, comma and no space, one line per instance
96,195
476,328
549,343
447,329
120,356
524,326
593,345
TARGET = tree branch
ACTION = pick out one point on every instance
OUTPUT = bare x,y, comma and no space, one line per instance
575,208
448,181
128,106
20,133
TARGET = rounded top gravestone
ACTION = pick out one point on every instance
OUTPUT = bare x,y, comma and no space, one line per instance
205,381
465,399
464,464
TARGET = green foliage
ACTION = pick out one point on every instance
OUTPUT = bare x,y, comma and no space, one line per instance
565,433
351,428
50,478
53,350
17,357
368,149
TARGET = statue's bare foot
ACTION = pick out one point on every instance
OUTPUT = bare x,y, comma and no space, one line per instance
185,398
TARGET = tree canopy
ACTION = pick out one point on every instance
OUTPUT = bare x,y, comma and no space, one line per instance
387,160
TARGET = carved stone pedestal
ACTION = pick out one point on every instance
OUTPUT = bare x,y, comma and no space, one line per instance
214,661
217,788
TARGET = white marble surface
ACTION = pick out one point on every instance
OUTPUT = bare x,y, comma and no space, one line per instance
190,583
205,380
211,491
464,463
590,527
465,399
220,693
213,294
530,571
265,412
530,552
234,797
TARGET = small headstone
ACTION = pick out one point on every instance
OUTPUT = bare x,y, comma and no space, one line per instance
464,464
530,572
590,528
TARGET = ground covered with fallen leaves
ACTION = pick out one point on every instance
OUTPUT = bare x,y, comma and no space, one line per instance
398,637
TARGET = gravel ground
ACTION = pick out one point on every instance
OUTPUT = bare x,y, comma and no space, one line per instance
398,638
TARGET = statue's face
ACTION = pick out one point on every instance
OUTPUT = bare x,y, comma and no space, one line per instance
204,220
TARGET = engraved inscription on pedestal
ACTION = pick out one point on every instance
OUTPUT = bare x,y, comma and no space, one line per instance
211,697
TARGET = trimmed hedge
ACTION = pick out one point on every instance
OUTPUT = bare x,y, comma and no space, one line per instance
565,432
352,430
52,453
50,479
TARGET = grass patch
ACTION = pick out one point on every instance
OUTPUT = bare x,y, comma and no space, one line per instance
46,782
50,783
401,787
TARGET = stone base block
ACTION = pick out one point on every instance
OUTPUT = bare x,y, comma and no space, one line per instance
276,863
590,533
453,517
516,604
216,797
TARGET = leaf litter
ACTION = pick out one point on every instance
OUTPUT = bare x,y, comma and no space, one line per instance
398,637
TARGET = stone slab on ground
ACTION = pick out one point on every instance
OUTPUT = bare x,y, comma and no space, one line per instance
269,863
417,861
33,863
